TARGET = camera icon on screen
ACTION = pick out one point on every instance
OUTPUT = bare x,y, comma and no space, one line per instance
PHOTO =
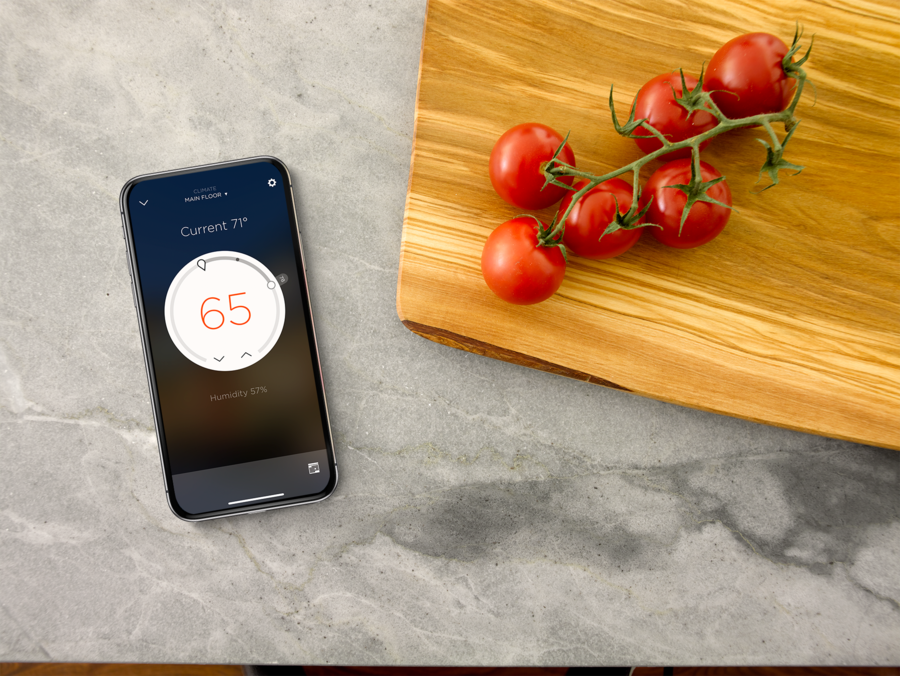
313,468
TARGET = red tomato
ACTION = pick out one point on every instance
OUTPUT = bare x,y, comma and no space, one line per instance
516,268
656,102
591,214
745,77
515,166
704,222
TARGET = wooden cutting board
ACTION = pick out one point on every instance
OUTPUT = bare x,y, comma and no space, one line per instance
791,317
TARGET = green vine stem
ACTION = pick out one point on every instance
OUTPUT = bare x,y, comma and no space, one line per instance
692,101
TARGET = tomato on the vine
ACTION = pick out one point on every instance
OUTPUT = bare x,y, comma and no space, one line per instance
515,166
517,268
746,77
656,102
705,220
591,215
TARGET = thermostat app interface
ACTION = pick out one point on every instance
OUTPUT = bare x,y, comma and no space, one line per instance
228,337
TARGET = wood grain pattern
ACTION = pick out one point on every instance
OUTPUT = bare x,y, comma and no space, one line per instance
791,317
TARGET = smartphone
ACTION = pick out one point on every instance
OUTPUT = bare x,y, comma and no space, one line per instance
219,283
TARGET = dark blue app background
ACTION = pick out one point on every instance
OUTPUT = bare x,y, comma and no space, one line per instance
280,413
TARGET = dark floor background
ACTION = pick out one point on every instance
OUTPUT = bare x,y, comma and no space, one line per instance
69,669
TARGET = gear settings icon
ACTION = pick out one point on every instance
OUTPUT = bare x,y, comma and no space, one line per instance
271,182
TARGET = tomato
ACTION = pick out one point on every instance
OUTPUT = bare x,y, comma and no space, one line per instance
745,77
656,102
515,166
704,222
591,214
516,268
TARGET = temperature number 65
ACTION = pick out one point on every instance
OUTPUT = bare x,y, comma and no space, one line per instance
231,307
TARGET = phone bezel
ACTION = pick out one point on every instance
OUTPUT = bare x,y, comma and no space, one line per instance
148,358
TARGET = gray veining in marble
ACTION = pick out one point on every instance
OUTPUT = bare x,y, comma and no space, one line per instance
487,514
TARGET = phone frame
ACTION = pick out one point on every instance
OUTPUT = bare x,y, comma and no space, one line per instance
138,300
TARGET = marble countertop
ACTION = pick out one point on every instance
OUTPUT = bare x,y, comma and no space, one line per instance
486,513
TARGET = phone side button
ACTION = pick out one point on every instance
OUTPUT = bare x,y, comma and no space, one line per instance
133,295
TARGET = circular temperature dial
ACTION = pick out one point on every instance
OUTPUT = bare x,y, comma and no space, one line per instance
224,311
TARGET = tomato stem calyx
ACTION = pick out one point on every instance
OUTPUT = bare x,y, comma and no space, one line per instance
691,100
774,160
546,236
794,68
696,190
550,179
629,127
630,220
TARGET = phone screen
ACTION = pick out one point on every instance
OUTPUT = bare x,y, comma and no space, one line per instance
229,341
